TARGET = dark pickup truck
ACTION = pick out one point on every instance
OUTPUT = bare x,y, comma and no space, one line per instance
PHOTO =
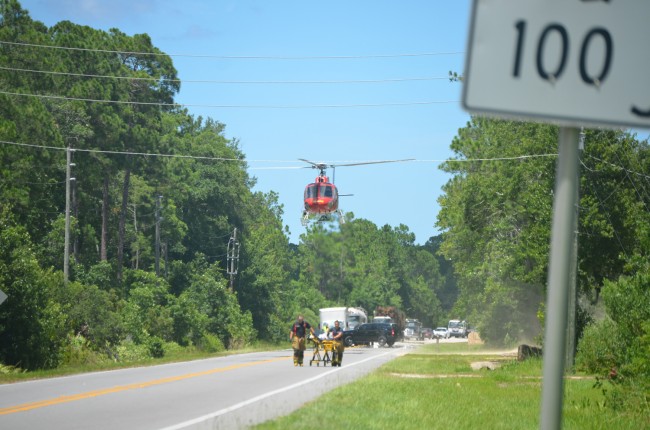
365,334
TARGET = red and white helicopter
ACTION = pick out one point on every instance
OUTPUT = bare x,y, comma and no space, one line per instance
321,198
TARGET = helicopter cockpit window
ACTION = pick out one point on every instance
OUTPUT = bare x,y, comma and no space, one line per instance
310,192
327,191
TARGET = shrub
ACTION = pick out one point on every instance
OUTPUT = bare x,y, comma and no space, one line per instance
77,351
210,343
600,348
156,347
32,324
128,351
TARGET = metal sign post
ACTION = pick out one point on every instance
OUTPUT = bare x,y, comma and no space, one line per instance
566,183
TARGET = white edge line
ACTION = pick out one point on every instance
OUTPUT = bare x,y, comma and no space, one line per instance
264,396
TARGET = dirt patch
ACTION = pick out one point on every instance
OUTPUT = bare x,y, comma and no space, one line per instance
435,376
489,365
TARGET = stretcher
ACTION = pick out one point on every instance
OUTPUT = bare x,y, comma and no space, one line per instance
323,350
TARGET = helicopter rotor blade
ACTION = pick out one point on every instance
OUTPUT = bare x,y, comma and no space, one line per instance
361,163
321,166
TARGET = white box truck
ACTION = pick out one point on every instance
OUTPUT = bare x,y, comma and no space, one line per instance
348,318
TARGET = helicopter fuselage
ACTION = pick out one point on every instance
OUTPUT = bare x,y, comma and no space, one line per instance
321,197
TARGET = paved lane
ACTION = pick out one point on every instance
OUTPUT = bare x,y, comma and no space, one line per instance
226,392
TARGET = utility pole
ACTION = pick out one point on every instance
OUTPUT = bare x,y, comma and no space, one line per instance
232,258
66,250
158,219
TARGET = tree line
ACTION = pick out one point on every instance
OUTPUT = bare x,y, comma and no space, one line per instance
156,195
496,219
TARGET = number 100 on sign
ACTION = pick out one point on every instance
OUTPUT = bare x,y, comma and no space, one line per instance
576,62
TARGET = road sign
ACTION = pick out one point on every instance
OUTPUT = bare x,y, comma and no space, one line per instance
574,62
3,296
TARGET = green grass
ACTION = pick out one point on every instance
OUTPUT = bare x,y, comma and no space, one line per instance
443,396
9,374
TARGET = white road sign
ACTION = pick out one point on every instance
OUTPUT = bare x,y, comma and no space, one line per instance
574,62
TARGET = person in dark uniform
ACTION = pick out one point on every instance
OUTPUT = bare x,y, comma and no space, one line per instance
337,346
297,337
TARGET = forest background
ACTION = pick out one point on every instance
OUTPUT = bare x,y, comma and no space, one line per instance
148,274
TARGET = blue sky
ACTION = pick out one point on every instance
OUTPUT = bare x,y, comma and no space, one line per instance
386,41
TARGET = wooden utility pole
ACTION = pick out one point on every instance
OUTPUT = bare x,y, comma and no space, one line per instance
66,246
158,219
232,258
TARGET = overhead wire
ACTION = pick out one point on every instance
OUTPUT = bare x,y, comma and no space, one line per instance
200,157
234,106
150,154
641,198
223,81
240,57
231,106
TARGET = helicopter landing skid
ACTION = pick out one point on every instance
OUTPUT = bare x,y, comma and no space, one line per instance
304,220
341,217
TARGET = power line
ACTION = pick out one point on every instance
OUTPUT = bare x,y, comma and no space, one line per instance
218,81
181,105
241,57
641,198
149,154
413,160
643,175
195,157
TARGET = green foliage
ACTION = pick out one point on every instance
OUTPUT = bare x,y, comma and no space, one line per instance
92,313
362,265
129,351
147,311
496,214
78,352
620,348
219,312
210,343
6,370
31,322
156,347
601,348
101,274
628,304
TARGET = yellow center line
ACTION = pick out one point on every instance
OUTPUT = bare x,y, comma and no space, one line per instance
96,393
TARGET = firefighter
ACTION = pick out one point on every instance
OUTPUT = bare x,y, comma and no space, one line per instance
338,345
297,337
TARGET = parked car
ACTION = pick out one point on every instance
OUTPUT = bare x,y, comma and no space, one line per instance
365,334
458,328
441,333
427,333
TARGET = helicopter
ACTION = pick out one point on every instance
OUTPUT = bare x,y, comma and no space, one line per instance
321,197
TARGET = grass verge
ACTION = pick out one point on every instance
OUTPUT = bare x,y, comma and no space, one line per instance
8,374
436,388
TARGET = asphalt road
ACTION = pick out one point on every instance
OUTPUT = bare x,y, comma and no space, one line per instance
225,393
